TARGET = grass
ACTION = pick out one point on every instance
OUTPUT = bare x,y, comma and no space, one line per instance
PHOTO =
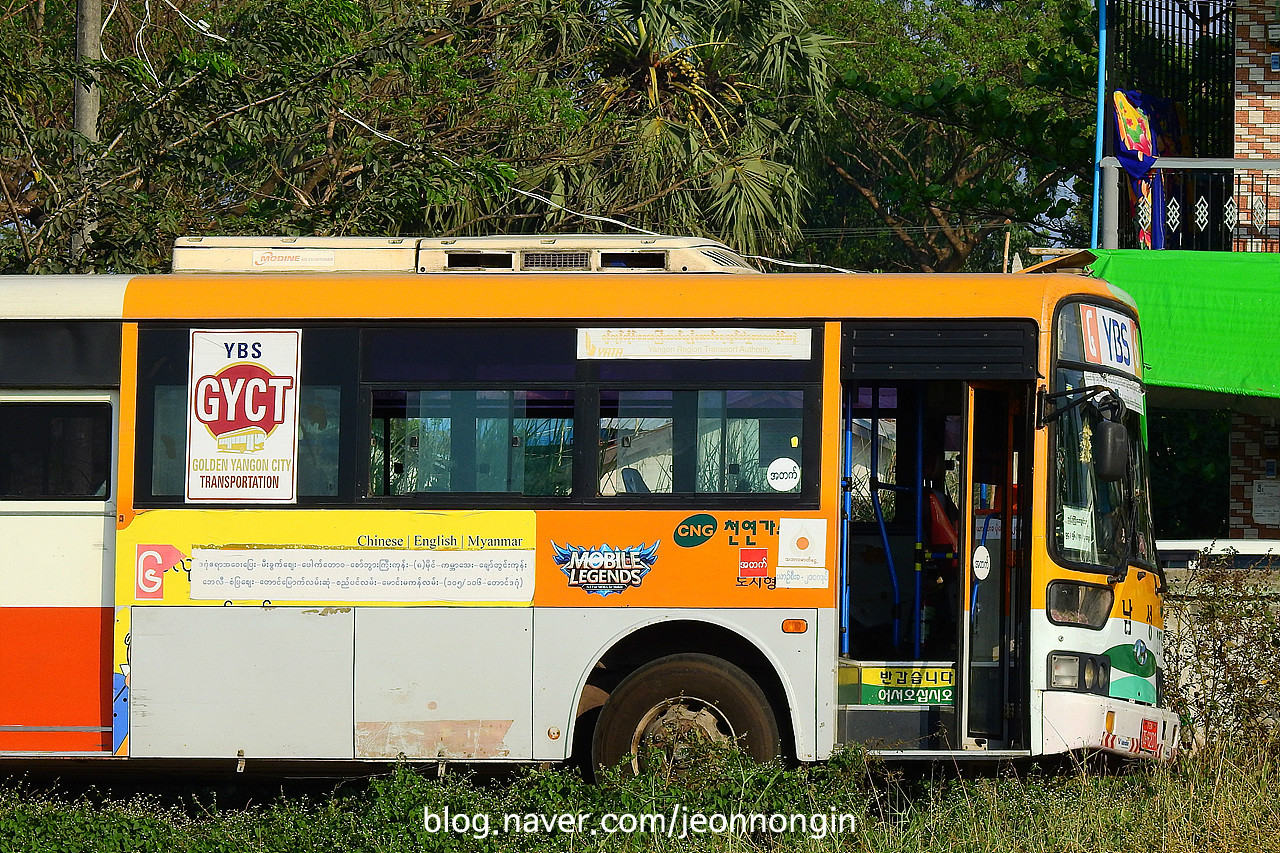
1218,799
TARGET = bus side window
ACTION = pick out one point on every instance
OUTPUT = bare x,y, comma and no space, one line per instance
326,398
705,442
432,441
54,450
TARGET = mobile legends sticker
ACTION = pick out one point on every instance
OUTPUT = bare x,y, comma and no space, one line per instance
604,570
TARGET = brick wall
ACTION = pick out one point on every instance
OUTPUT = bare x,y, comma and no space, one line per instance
1257,95
1254,442
1257,86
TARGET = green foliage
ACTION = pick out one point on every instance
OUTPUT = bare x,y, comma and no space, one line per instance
1223,650
338,117
963,117
1221,799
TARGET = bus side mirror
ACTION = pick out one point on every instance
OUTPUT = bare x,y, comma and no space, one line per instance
1110,451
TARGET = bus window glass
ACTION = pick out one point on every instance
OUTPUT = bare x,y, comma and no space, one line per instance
883,432
54,450
742,435
1070,335
471,441
637,442
463,355
719,442
168,439
319,417
327,362
1094,521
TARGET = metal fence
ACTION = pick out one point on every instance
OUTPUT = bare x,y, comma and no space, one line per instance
1206,204
1182,50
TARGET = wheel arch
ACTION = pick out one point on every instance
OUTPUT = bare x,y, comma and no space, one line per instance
660,637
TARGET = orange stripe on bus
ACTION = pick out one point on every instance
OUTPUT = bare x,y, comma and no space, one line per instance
56,665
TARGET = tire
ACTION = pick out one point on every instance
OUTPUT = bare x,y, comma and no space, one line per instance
685,695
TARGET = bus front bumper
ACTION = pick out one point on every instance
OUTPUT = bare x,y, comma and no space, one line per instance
1073,721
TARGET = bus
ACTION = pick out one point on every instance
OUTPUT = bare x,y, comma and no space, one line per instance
540,499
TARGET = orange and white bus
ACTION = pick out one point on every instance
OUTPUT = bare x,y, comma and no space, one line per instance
526,499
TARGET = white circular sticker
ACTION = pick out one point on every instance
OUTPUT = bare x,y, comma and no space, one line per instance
981,562
784,474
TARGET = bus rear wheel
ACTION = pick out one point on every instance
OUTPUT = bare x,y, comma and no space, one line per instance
667,708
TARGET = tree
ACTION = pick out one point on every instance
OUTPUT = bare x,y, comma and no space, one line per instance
965,117
343,117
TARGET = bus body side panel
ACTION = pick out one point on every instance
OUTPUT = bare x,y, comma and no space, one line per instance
444,682
569,641
229,682
429,682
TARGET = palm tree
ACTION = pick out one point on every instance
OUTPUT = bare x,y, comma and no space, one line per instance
703,115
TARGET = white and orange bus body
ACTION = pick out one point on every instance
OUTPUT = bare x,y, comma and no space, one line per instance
497,516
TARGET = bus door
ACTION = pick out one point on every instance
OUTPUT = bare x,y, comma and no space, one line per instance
57,528
930,467
901,585
996,562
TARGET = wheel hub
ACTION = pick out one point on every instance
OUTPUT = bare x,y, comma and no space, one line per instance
675,727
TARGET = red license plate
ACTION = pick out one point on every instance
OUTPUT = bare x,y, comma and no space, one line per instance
1150,741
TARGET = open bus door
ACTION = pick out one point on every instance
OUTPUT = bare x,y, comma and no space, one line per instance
933,593
996,568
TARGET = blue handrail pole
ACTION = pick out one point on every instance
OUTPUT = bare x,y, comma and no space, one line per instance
846,588
918,616
875,504
1101,117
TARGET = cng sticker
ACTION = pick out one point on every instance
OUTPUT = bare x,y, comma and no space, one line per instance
695,530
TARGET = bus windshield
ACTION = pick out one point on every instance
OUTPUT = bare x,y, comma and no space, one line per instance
1098,523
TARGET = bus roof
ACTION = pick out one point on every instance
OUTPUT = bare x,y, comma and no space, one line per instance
393,296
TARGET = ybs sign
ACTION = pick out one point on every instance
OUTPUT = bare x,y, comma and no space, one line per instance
242,416
1110,340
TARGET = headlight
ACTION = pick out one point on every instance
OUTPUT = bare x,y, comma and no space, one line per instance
1078,671
1064,671
1083,604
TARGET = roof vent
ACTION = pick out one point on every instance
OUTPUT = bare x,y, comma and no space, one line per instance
557,260
479,261
633,260
725,259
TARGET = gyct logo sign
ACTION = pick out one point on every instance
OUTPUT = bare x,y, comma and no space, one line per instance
241,396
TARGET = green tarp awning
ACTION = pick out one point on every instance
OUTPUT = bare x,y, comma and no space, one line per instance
1210,322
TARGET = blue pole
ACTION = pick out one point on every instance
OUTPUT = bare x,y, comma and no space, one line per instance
846,589
917,617
1099,135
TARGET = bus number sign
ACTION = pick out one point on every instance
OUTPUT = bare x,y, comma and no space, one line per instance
1109,339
